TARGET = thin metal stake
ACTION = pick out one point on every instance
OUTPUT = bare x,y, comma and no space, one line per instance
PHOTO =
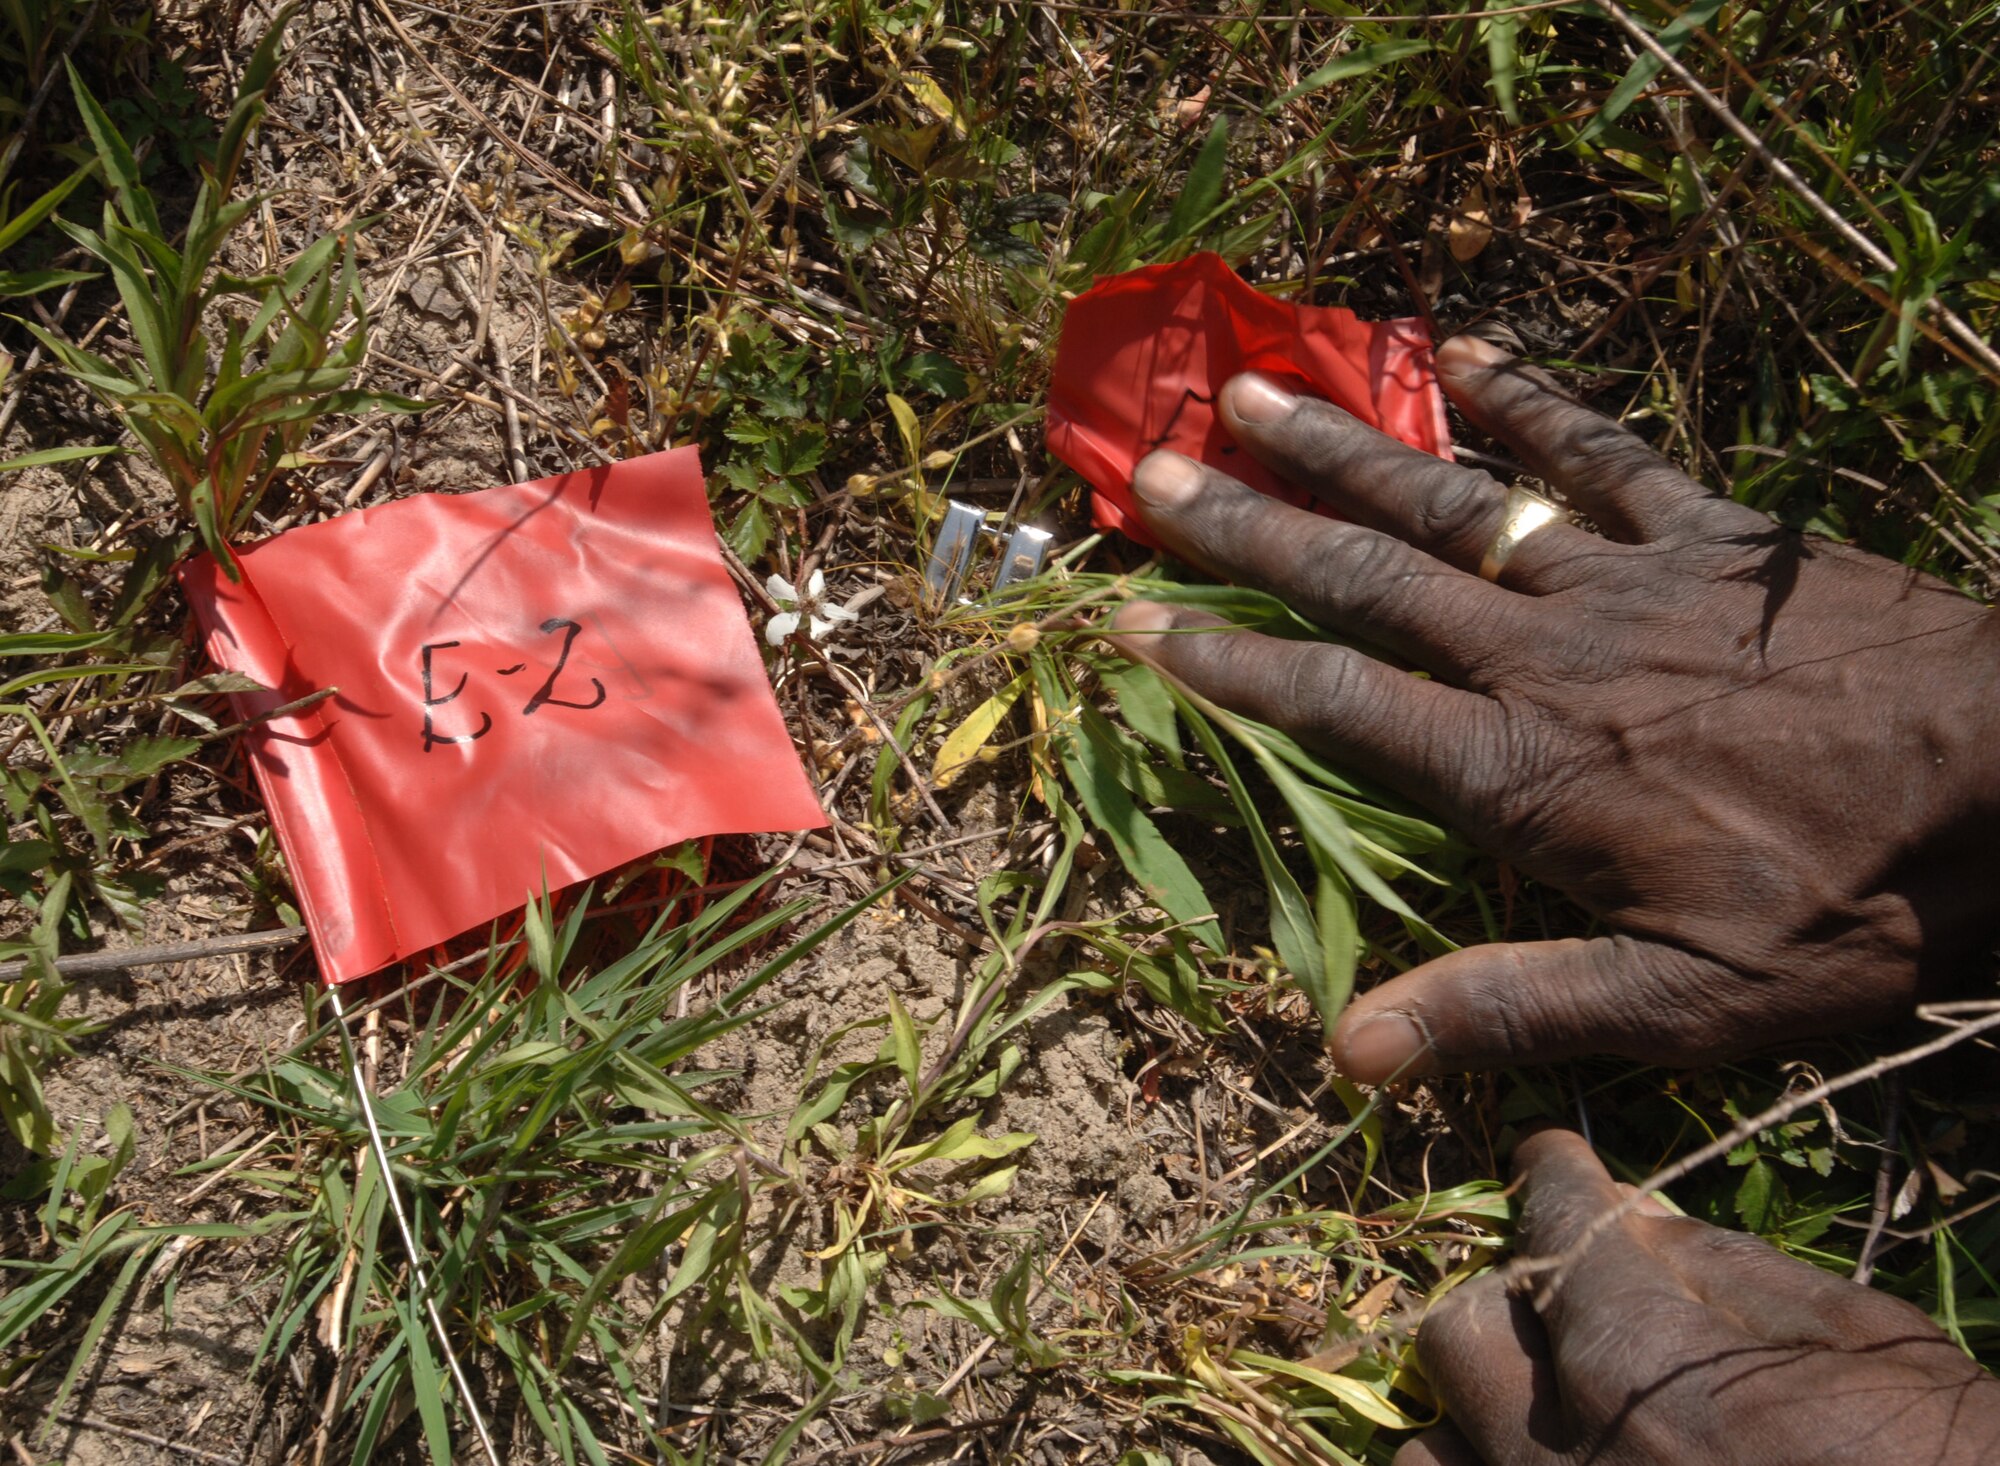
418,1276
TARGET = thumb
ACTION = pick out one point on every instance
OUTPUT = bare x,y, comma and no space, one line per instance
1528,1002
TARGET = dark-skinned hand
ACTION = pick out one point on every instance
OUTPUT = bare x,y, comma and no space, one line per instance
1665,1341
1768,761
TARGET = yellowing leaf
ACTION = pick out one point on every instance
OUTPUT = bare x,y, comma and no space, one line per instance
913,433
960,749
1352,1393
929,94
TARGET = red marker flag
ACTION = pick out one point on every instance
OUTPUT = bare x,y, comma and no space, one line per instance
536,684
1143,354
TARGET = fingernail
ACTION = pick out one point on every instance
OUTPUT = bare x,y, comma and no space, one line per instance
1166,480
1464,354
1256,398
1142,618
1377,1047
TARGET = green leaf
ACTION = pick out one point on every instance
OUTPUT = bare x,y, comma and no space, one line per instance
22,857
426,1382
249,105
110,1308
1147,706
1201,195
1152,862
908,427
1294,931
17,228
961,1141
904,1044
121,169
1672,37
997,1182
1503,34
1340,947
215,682
1358,62
935,373
34,282
749,532
50,643
145,756
55,455
1757,1196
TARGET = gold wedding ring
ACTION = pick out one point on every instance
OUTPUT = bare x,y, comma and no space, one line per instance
1527,511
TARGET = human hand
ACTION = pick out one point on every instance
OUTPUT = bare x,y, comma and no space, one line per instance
1766,760
1665,1341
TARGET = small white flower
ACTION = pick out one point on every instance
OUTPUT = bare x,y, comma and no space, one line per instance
819,616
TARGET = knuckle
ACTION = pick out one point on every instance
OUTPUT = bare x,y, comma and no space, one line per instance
1355,569
1327,686
1459,508
1600,448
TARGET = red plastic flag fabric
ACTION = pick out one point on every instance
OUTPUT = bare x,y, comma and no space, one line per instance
1143,354
536,684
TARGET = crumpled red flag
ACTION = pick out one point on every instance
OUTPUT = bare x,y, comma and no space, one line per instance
1143,354
536,684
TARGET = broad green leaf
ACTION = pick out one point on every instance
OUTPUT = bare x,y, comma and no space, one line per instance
1201,195
1151,861
141,757
20,857
1503,57
961,1141
121,169
1146,705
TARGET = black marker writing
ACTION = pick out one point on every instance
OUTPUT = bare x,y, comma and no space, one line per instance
431,737
1188,394
545,694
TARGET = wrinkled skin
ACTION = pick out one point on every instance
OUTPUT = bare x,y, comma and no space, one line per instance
1669,1341
1767,761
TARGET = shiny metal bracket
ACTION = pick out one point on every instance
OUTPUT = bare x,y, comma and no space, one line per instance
956,555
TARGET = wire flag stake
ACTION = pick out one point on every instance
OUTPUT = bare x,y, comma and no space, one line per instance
419,1276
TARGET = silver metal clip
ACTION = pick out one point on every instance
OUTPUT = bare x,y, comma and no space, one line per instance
1027,548
1023,550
